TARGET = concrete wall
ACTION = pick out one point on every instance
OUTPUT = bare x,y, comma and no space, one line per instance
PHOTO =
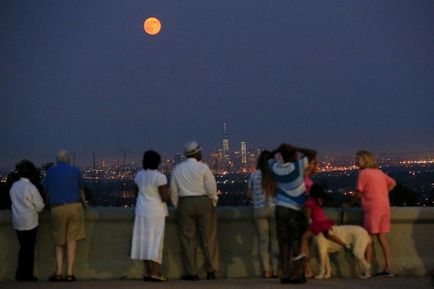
104,254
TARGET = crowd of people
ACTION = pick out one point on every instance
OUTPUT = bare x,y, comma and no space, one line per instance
287,212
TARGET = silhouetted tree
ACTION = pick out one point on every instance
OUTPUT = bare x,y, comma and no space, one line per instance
401,195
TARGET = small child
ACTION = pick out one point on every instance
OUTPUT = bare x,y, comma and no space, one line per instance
319,223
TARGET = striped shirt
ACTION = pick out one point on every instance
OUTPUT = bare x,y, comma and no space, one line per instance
291,190
258,195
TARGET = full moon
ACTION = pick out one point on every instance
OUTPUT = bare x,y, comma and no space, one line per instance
152,26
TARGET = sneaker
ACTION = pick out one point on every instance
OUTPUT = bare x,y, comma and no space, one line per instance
365,276
299,257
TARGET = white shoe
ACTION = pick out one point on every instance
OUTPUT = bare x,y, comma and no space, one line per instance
365,276
299,257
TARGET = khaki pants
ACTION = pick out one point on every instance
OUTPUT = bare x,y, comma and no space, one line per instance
198,215
268,246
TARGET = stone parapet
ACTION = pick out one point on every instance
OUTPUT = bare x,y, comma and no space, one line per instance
104,254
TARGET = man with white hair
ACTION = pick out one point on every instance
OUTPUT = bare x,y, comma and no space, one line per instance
193,192
67,201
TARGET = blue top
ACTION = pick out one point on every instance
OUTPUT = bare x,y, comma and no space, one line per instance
291,191
63,184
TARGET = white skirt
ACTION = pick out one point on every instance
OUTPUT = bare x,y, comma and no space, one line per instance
148,238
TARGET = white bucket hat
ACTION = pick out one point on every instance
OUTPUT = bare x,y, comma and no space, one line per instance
191,148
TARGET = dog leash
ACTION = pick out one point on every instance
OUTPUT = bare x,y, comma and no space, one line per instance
341,217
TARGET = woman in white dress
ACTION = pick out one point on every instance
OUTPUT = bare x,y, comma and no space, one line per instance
149,222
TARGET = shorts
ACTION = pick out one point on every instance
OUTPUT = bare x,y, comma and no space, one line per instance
67,223
376,221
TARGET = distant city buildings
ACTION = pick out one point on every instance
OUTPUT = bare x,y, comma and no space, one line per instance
225,147
111,183
243,152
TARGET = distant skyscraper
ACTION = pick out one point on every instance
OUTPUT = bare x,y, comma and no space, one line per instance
226,154
243,152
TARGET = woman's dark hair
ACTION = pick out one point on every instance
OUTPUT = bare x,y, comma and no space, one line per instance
268,184
317,192
151,160
262,163
26,169
289,153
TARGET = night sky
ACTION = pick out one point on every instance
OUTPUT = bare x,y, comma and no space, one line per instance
337,76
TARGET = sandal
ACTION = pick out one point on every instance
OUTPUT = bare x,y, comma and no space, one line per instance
70,278
55,278
267,274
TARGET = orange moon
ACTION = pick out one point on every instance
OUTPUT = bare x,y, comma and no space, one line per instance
152,26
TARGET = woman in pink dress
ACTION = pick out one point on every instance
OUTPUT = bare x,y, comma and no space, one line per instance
373,189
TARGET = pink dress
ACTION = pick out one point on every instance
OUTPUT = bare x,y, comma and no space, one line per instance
374,185
320,222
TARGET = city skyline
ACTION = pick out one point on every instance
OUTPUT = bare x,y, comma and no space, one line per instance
335,76
228,155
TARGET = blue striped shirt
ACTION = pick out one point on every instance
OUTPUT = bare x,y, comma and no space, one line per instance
291,191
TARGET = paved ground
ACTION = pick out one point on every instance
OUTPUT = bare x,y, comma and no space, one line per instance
373,283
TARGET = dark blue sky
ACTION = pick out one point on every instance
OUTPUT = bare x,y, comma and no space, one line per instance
337,76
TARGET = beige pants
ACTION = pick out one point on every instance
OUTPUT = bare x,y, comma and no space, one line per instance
198,215
268,246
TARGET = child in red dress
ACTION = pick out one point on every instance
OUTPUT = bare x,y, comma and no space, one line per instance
319,223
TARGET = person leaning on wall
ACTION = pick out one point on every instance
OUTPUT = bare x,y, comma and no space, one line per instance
193,192
260,189
150,214
67,202
27,203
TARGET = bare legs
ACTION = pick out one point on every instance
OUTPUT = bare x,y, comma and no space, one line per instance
59,259
336,239
70,247
382,238
147,269
305,243
305,240
152,272
309,234
151,268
